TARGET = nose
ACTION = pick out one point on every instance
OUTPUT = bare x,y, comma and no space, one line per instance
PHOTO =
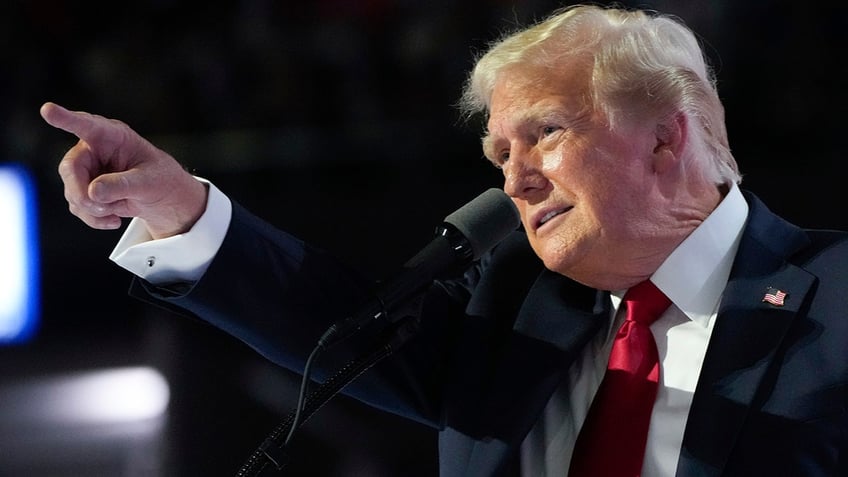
523,175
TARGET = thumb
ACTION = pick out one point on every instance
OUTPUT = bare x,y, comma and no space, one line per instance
112,187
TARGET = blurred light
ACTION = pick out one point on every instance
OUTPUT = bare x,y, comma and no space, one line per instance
103,397
113,396
19,248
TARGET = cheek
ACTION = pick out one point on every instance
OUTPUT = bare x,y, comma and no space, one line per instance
613,187
554,161
623,216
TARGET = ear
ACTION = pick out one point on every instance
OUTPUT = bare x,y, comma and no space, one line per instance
670,134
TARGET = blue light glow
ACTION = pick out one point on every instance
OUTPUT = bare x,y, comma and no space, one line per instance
19,283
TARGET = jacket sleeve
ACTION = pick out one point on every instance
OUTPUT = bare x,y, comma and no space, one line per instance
278,295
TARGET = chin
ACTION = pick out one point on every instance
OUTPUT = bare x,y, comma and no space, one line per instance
557,251
564,265
574,264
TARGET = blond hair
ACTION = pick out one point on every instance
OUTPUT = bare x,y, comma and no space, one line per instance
642,64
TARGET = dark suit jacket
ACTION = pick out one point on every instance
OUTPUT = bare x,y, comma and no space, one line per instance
496,342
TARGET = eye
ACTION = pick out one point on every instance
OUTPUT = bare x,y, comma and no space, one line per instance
498,159
548,130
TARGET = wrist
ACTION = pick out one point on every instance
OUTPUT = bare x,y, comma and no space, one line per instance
184,214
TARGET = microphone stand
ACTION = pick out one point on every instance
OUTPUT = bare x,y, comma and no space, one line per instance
271,456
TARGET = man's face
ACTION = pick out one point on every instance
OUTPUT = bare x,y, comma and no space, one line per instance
590,199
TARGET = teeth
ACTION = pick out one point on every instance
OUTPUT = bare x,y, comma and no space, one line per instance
552,214
549,216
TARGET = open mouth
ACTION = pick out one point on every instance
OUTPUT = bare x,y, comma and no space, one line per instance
550,215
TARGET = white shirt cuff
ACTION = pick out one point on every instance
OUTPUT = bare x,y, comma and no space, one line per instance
180,258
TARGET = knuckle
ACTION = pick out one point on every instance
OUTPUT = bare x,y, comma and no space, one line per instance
75,210
65,166
73,196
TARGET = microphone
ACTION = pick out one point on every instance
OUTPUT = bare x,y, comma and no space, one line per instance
463,237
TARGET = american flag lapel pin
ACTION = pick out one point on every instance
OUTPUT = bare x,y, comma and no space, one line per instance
774,296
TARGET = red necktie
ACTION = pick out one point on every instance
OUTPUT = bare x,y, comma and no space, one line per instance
612,440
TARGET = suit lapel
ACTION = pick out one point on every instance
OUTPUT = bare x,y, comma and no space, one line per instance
548,333
747,333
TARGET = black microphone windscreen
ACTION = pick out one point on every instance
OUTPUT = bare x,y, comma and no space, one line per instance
486,220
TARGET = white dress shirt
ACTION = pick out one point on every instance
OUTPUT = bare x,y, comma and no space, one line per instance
180,258
693,277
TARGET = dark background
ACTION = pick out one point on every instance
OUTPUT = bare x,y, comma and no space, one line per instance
334,120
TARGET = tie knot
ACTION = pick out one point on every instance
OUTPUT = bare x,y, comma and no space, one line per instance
645,302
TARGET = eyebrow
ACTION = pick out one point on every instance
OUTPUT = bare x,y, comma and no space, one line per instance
529,117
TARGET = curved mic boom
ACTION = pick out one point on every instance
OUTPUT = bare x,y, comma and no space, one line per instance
464,236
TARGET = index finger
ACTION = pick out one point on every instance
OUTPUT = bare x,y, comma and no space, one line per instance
85,126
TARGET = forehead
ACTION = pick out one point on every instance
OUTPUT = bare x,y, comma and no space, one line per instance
524,93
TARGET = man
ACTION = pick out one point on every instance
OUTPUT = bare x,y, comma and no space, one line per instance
611,138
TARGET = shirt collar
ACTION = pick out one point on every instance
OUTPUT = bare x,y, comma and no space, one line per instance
696,272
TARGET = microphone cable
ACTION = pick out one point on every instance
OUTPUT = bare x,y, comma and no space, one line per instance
271,456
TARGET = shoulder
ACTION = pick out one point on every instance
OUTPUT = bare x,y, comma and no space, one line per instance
828,249
820,253
780,238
